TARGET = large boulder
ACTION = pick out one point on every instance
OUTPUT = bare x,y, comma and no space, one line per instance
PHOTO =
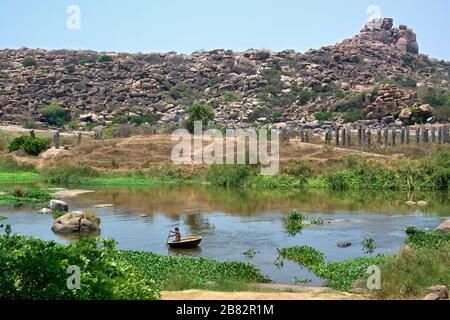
58,205
444,227
76,222
437,293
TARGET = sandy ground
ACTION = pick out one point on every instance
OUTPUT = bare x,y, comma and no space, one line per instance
272,292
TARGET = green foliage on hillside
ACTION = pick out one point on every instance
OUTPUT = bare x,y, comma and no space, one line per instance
55,114
199,112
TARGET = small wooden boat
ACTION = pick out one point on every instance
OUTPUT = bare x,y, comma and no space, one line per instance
188,242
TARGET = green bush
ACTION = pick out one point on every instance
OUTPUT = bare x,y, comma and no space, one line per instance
29,125
67,174
353,100
303,95
140,120
29,62
323,116
230,96
54,114
229,176
213,81
36,146
34,269
87,60
410,83
353,115
32,146
105,58
199,112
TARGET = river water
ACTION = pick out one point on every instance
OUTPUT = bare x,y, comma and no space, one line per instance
233,221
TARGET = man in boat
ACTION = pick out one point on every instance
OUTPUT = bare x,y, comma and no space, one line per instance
176,234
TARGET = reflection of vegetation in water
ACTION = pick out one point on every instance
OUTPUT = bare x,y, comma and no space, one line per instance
199,199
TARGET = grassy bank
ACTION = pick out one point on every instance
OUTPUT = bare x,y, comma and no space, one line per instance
426,174
37,269
19,195
424,261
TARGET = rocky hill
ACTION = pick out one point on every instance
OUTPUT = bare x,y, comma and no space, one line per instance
378,75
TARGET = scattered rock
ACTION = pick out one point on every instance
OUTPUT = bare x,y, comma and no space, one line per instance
439,292
422,203
108,205
359,286
444,226
411,203
58,205
45,211
344,244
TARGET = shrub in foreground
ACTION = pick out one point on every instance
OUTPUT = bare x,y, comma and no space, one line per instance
32,146
34,269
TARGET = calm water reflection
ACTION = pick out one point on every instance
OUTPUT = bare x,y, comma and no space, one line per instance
234,221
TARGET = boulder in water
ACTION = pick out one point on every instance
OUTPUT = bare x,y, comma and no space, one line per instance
58,205
77,222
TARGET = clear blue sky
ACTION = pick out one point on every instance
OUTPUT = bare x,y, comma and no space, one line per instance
190,25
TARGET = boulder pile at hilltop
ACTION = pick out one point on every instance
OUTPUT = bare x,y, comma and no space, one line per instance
377,72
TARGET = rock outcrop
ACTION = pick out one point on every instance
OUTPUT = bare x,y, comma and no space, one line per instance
241,86
76,222
444,226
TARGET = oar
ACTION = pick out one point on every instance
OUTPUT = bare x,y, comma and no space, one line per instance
168,237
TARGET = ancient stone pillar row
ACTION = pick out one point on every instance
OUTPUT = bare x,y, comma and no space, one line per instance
359,136
446,134
56,139
386,137
394,136
402,136
379,138
433,135
337,137
363,137
369,138
425,135
343,137
418,136
440,135
306,136
349,137
408,134
302,135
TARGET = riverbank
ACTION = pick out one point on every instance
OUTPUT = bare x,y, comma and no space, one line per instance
430,173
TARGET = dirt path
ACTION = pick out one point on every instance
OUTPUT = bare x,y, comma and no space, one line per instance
214,295
264,292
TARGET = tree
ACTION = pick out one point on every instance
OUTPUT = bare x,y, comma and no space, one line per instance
54,114
199,112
